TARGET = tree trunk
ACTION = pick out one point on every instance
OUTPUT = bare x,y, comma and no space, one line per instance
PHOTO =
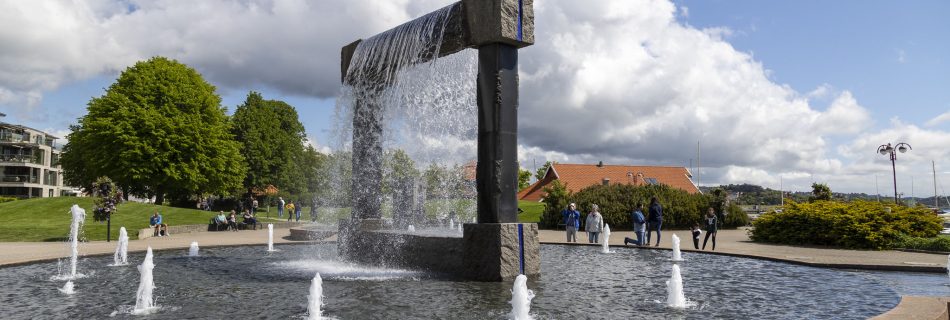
159,195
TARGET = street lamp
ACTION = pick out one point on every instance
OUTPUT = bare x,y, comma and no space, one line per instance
887,149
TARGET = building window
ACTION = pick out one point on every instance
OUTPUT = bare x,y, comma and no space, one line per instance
651,181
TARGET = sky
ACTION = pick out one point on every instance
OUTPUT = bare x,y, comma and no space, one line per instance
779,94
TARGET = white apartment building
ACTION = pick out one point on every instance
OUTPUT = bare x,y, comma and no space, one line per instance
29,163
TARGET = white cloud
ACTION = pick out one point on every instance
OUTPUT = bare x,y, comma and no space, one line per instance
620,81
943,117
901,56
293,46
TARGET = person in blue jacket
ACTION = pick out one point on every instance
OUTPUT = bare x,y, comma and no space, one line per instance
572,222
639,227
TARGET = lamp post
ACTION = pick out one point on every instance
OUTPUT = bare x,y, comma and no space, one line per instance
887,149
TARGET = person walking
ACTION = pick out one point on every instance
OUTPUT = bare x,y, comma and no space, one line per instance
654,220
280,207
639,225
712,226
595,224
254,205
290,210
298,207
572,221
696,231
313,210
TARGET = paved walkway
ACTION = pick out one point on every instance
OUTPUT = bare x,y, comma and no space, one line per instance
732,242
736,242
12,253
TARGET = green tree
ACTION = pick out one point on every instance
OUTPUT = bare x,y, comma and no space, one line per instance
158,130
820,191
556,198
272,143
542,170
524,179
399,171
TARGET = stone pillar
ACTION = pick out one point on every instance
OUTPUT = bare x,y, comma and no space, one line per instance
500,251
367,159
497,172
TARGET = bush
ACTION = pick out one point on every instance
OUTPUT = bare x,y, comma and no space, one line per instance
929,244
858,224
7,199
557,199
680,209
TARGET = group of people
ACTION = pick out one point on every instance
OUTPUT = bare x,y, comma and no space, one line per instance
294,209
649,223
229,222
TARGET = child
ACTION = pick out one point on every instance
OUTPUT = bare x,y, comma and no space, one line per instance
696,234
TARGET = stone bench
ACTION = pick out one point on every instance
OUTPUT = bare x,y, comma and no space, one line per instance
190,228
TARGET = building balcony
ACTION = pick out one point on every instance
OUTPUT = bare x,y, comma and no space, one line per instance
18,159
19,178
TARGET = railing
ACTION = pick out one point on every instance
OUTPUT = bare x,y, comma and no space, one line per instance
19,158
19,178
13,138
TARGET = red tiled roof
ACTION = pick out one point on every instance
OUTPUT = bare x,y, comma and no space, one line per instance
579,176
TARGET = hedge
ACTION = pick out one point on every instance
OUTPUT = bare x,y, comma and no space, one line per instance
680,209
858,224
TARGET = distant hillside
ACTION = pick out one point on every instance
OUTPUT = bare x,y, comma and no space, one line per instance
48,219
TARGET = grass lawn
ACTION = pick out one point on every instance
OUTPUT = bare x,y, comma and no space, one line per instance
48,219
532,211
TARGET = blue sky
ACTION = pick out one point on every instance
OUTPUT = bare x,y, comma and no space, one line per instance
794,91
893,55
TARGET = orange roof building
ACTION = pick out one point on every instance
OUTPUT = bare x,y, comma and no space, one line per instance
579,176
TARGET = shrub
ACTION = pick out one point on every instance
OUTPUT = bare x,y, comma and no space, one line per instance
858,224
557,199
680,209
930,244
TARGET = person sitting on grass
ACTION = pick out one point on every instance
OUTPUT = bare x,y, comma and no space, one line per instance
155,222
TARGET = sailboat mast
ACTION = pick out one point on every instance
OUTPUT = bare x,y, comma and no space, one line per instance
933,166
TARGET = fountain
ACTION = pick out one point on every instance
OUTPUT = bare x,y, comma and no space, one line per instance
79,216
270,237
521,299
68,288
381,74
606,244
451,224
676,249
412,229
462,231
144,303
674,290
315,299
121,256
193,250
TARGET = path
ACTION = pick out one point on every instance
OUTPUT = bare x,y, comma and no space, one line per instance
736,242
12,253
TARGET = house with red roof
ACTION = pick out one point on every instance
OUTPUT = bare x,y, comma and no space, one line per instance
579,176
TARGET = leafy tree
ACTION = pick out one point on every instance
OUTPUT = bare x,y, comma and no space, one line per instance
556,198
524,178
399,171
272,143
311,164
542,170
158,130
820,191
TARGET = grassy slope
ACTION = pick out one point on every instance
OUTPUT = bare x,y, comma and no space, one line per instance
48,219
532,211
